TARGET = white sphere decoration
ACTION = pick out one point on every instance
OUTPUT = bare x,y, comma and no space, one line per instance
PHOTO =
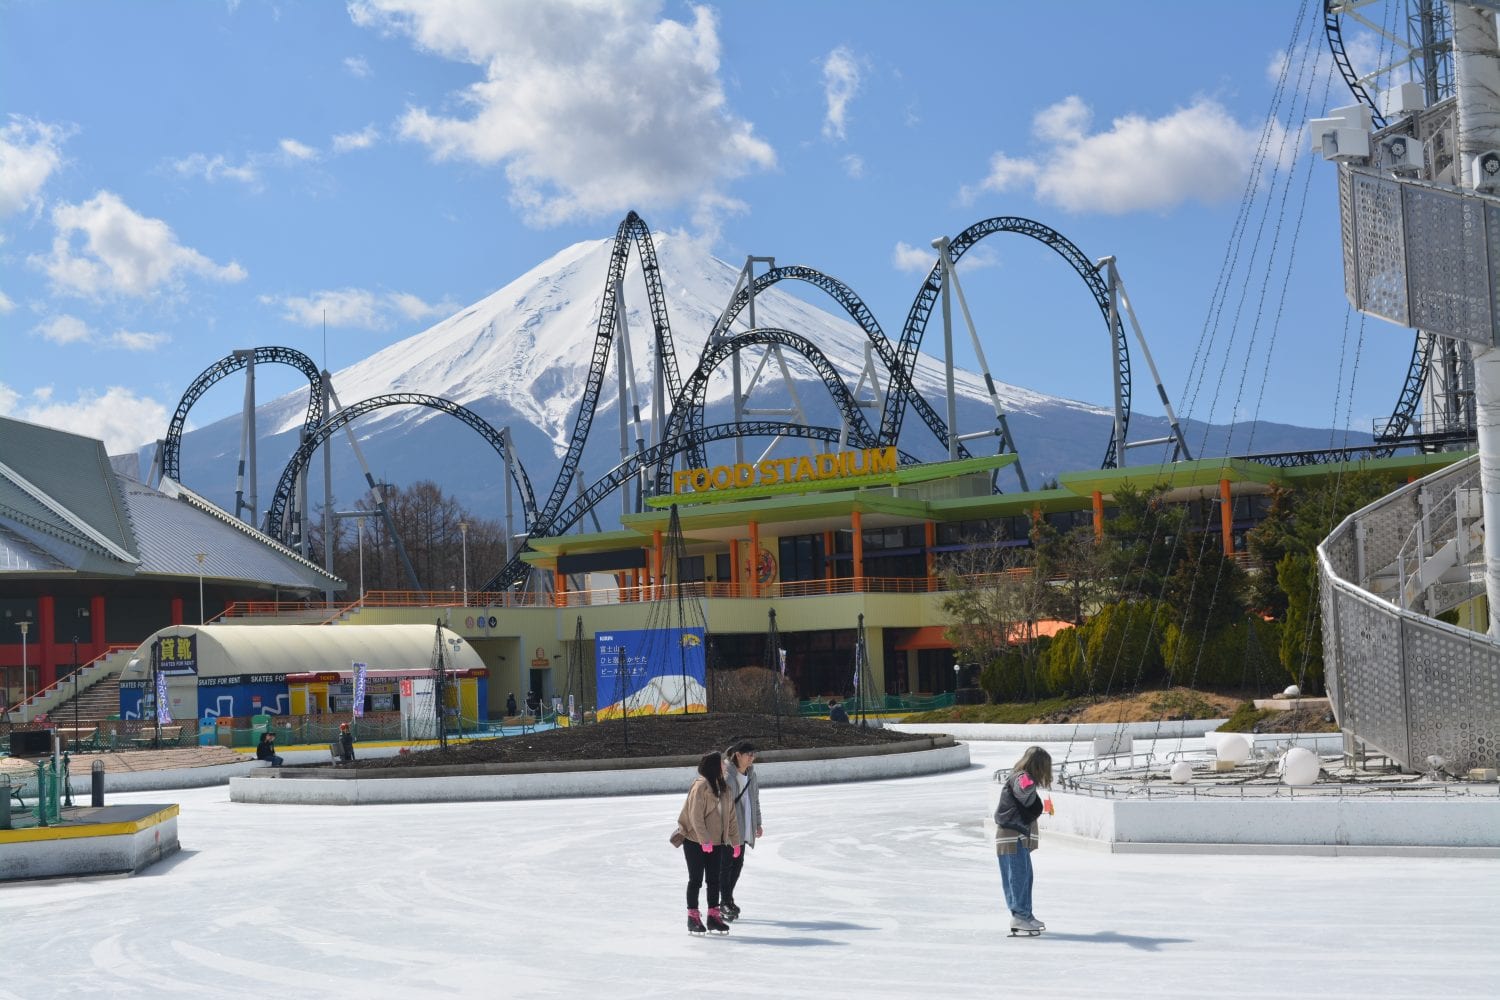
1292,691
1181,773
1300,766
1211,739
1234,748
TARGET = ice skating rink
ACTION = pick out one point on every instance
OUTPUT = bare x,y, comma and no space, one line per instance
879,889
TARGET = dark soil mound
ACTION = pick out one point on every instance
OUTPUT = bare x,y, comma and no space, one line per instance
648,736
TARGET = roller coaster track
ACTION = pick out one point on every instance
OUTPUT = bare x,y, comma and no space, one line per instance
632,230
686,420
276,512
658,455
171,451
1411,391
899,377
1334,31
921,310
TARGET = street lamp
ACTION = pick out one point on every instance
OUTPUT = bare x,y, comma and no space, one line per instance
463,530
201,557
24,627
956,669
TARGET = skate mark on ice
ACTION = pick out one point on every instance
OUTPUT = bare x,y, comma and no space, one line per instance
785,942
806,925
1137,941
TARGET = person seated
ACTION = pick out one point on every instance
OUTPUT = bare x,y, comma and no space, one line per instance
836,711
266,749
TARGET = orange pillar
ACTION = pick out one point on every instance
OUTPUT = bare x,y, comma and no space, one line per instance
734,567
931,538
859,551
1226,516
754,559
1098,516
656,562
559,588
176,612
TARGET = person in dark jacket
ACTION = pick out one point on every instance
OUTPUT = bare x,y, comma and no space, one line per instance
510,704
533,704
836,711
266,749
1021,803
346,742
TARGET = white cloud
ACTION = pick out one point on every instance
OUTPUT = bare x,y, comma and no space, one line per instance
65,329
295,150
346,142
854,165
356,308
591,106
840,84
138,341
6,305
358,66
29,153
123,252
118,417
1197,153
216,167
915,260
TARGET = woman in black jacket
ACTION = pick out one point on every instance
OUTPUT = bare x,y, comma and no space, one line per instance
266,749
1015,833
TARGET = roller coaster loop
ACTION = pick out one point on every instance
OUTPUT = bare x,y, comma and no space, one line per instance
921,310
659,455
632,230
686,420
899,377
276,512
171,452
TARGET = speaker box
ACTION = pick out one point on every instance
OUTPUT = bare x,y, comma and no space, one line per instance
30,742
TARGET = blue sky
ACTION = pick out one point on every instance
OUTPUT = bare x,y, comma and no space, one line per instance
181,179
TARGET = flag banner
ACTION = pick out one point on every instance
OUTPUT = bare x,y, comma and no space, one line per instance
783,661
359,689
163,709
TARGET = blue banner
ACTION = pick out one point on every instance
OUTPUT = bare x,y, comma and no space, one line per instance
177,654
163,709
359,689
650,672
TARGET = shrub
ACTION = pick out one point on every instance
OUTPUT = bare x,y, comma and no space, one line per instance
750,690
1015,675
1245,654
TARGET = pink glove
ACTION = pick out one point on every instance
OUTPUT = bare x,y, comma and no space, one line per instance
708,848
736,851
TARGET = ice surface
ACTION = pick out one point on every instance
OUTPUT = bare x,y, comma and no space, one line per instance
878,889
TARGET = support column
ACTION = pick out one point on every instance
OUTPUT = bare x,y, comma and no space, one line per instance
559,588
46,663
1098,516
176,613
930,538
859,550
734,567
96,626
828,555
754,564
656,564
1226,517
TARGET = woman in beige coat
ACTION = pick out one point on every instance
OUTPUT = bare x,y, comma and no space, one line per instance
709,829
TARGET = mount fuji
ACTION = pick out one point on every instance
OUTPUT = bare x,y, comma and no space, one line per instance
520,358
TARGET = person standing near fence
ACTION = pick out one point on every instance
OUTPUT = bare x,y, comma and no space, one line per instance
744,790
1021,803
346,742
708,830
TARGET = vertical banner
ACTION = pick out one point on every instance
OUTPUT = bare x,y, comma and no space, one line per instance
359,689
163,708
664,672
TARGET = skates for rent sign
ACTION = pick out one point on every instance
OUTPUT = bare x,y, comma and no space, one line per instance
650,672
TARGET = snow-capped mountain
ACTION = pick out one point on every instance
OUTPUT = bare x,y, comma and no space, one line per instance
520,358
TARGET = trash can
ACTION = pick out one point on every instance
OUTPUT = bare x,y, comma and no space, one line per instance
224,731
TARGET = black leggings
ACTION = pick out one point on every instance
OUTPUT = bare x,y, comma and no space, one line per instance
729,874
699,864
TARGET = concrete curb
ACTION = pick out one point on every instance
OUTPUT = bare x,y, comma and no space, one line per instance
1066,732
646,776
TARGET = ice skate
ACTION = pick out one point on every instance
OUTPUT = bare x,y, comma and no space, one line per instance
1026,926
729,912
716,924
695,923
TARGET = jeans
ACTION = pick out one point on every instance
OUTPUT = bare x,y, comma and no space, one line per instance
1015,875
729,874
702,866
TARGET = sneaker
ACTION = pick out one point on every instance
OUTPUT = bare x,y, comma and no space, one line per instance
729,911
695,923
